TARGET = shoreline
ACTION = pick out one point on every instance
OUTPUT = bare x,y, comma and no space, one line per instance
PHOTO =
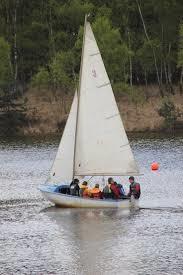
131,135
47,111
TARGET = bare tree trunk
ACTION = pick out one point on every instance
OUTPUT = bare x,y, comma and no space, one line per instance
181,81
51,33
15,47
130,59
170,73
8,32
161,69
153,51
145,77
165,72
124,71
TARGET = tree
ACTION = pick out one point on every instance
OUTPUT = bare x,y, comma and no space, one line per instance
12,113
144,58
170,114
5,65
180,56
62,71
37,30
152,48
41,79
114,52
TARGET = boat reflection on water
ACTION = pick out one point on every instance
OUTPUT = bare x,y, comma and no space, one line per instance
92,236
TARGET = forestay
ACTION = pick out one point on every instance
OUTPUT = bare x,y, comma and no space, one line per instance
102,147
62,169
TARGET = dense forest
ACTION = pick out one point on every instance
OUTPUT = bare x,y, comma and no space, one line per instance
40,44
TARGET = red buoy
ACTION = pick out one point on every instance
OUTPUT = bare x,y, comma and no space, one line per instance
154,166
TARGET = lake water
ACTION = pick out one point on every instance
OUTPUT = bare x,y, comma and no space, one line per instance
38,239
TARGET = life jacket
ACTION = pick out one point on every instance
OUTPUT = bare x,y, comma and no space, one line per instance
137,187
135,190
86,193
82,189
96,193
115,190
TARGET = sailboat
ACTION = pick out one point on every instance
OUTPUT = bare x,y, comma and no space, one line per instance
94,142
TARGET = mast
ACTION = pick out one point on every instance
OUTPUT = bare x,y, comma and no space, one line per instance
78,92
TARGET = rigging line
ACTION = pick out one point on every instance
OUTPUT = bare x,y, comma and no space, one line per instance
90,178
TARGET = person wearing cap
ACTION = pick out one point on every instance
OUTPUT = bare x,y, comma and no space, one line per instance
134,188
96,193
84,190
74,187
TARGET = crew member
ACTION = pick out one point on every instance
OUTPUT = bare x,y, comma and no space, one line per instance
74,187
134,188
107,193
83,186
96,192
115,190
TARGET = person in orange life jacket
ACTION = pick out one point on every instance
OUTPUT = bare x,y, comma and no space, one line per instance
95,192
87,193
74,187
134,188
83,186
84,190
114,189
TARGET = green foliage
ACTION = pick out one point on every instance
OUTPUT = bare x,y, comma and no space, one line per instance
73,13
180,49
12,114
5,64
44,29
33,48
62,70
59,73
169,112
114,52
144,55
41,79
134,94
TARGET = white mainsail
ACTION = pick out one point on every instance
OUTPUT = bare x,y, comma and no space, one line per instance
102,147
62,169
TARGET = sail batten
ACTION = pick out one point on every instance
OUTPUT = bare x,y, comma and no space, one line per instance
102,147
